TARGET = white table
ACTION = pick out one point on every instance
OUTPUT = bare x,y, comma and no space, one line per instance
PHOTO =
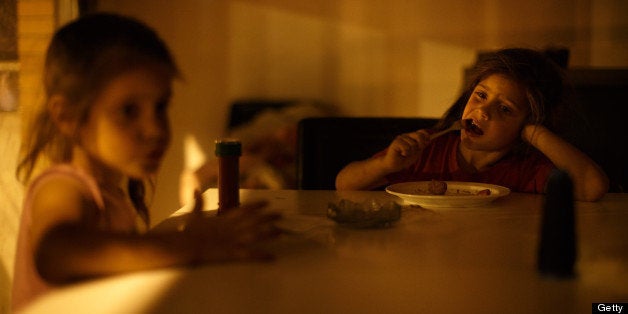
480,260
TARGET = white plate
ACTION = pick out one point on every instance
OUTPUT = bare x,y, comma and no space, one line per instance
459,194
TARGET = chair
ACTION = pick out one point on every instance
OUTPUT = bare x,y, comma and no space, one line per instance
601,96
326,145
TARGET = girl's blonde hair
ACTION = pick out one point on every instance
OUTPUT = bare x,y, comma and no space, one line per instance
83,56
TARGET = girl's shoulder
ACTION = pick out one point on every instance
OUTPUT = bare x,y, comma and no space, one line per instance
64,179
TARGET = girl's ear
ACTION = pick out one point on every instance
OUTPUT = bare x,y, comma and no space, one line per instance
58,108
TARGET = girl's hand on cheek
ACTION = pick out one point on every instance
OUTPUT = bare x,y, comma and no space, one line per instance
526,132
530,133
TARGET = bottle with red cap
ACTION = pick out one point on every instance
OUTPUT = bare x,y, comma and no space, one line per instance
228,152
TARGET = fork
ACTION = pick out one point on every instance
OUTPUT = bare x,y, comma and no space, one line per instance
457,125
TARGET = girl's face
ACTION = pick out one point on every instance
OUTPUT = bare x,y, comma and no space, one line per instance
498,108
127,129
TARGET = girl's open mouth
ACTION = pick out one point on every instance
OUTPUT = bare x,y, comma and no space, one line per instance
471,127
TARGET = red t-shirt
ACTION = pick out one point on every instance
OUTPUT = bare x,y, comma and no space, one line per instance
439,161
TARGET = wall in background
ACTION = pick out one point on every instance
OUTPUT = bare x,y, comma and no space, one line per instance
368,57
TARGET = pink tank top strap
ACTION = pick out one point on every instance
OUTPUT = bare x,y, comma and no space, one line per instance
27,283
68,170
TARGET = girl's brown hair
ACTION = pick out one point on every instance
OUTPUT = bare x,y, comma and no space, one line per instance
548,91
82,57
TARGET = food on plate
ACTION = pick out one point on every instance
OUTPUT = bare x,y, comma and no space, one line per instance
458,194
485,192
436,187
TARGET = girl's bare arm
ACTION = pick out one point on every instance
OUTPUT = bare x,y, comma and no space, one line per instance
590,181
68,247
362,175
69,252
371,173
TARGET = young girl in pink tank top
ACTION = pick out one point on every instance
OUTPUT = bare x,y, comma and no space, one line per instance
104,129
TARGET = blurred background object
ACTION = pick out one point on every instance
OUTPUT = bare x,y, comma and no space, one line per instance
8,86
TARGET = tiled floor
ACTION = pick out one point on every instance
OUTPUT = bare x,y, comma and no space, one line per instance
10,200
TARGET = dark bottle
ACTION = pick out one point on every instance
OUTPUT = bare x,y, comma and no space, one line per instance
228,152
557,248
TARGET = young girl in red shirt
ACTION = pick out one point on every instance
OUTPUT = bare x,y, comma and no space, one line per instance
511,113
